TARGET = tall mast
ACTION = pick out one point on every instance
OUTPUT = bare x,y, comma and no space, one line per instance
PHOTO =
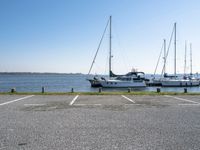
164,56
190,58
175,49
110,53
185,61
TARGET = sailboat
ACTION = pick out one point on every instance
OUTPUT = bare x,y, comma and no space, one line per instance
131,79
155,80
174,80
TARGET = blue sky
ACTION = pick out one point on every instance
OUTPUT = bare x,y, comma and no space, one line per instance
63,35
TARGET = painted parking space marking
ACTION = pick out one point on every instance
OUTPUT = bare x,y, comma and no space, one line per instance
190,104
128,99
87,104
74,99
182,99
34,104
134,104
19,99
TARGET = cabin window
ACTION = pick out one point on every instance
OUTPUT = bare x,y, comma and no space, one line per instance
138,81
127,79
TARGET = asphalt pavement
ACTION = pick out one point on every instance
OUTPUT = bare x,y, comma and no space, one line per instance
99,122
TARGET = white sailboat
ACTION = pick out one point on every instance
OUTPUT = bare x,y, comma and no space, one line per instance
156,80
131,79
175,81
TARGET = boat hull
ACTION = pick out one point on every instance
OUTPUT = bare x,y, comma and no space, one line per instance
180,83
94,83
154,83
122,84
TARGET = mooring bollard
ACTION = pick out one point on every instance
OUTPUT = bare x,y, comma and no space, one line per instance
43,90
100,90
158,90
13,90
129,90
185,90
72,90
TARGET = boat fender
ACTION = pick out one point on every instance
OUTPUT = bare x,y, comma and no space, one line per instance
103,78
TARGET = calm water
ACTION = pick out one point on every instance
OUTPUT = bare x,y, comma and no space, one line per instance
24,82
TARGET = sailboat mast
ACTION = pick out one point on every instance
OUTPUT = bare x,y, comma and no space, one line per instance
185,61
190,58
110,42
164,56
175,49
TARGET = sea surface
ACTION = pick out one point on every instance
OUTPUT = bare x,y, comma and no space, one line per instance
53,82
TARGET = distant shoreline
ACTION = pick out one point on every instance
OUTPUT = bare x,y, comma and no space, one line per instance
56,73
40,73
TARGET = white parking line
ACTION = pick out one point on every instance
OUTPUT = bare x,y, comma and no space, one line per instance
190,104
182,99
128,99
74,99
34,104
87,104
19,99
134,104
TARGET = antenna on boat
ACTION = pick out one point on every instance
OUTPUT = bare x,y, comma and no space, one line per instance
110,44
190,58
185,61
175,49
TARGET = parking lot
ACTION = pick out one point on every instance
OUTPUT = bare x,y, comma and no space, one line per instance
86,122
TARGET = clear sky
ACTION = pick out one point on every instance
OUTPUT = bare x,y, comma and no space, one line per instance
63,35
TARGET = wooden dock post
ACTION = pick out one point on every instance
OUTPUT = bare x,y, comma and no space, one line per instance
158,90
43,89
13,90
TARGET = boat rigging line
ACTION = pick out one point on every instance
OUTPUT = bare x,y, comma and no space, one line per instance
170,41
185,60
98,47
158,60
190,58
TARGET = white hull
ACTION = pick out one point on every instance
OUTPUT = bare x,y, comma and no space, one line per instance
179,83
155,82
121,84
